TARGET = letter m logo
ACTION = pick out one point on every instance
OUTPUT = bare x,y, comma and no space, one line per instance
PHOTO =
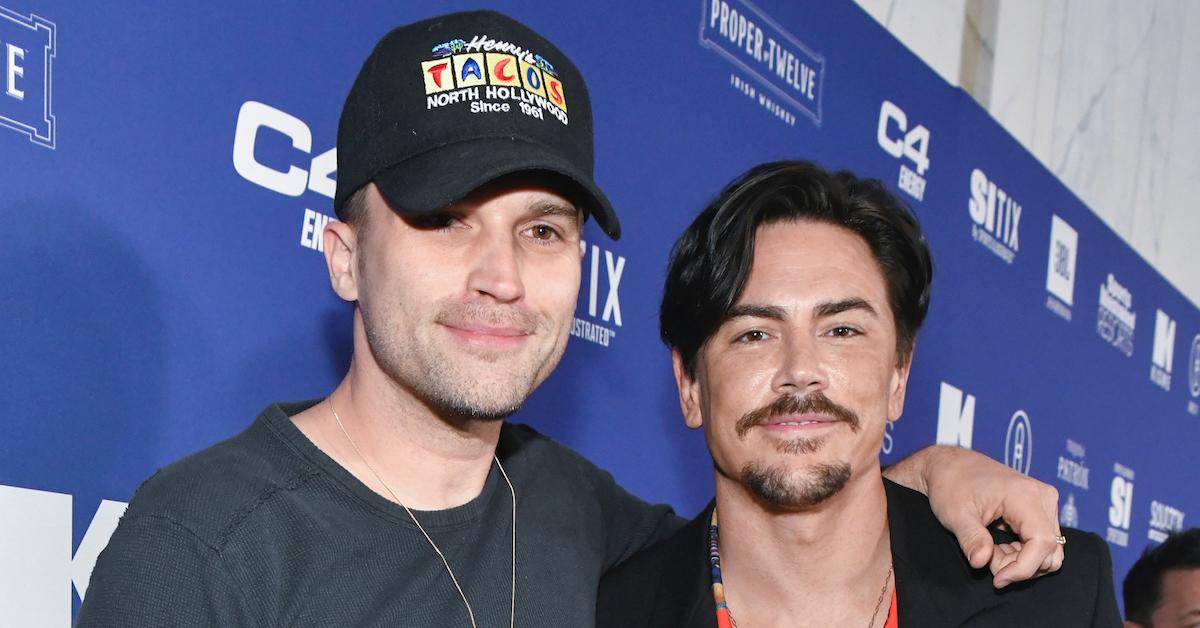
956,417
1164,341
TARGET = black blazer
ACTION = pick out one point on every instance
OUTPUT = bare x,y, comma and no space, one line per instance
669,585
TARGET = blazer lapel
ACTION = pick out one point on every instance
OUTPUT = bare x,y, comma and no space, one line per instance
934,583
935,586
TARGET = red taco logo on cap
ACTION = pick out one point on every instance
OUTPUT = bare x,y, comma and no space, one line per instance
461,65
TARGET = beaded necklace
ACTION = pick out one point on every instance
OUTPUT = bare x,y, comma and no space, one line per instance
725,616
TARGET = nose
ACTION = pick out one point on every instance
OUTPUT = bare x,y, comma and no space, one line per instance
801,369
495,268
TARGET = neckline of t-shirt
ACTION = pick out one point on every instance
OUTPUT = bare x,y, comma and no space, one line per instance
277,416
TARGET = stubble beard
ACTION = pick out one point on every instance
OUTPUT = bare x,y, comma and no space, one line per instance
772,485
453,381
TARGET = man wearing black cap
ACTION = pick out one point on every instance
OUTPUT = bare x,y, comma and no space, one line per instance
402,498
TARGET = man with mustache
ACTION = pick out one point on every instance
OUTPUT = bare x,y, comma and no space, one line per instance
791,308
403,498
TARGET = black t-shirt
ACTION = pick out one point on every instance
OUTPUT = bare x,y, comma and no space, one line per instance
265,529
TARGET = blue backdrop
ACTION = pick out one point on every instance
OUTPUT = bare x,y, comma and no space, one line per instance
166,171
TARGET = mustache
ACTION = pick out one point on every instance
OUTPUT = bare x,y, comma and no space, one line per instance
812,403
465,314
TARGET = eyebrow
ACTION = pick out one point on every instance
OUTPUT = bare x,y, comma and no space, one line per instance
820,310
749,310
833,308
551,208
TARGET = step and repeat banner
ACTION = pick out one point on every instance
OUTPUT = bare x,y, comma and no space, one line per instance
167,171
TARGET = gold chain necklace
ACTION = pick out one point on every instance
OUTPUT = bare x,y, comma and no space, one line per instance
512,618
882,592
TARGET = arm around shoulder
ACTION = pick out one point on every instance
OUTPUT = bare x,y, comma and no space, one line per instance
157,572
633,524
629,523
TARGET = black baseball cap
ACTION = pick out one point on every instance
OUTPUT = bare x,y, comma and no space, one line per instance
446,105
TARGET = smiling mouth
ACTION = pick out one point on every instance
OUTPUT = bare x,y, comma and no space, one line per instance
799,423
488,337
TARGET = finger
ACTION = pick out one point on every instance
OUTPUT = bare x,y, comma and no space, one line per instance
976,543
1034,519
1052,562
1029,558
1055,560
1036,523
1005,554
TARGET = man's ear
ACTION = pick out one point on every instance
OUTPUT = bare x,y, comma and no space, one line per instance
899,385
341,253
689,393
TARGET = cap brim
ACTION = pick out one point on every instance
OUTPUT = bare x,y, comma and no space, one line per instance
436,178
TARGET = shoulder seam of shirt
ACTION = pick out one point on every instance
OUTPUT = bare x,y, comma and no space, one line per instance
271,490
217,554
178,524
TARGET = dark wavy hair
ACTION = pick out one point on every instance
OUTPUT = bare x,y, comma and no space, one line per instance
1142,588
711,261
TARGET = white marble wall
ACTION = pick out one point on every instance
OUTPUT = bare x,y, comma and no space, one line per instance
932,30
1105,93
